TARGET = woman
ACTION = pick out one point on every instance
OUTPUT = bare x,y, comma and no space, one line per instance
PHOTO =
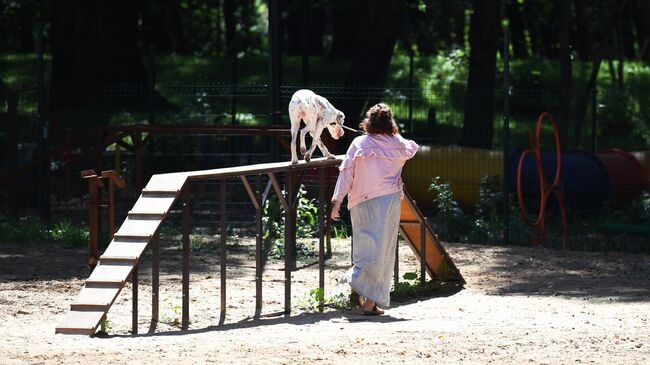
370,175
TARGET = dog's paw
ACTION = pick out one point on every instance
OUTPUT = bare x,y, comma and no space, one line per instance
294,162
307,158
303,150
330,156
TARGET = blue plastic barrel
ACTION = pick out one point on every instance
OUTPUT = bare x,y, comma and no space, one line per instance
586,183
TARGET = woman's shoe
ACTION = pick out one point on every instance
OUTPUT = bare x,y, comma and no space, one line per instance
374,312
355,299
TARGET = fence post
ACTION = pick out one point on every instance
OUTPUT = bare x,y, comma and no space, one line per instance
411,89
44,175
305,43
506,136
12,134
594,116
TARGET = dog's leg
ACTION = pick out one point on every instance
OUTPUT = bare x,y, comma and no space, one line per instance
324,149
295,125
316,134
303,144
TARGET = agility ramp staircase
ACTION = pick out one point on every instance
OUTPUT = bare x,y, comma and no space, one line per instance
122,256
141,227
418,233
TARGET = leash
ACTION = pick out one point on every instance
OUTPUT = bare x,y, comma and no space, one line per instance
352,129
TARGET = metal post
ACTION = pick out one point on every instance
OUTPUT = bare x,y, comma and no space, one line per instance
305,43
410,94
68,161
137,145
222,258
93,223
134,287
155,277
152,83
12,136
111,208
423,251
44,175
186,259
275,66
594,116
289,239
321,239
506,136
258,245
396,268
328,219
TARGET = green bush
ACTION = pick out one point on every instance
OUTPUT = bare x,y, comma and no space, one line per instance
306,225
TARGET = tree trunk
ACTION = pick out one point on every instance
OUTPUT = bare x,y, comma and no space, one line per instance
230,23
378,29
564,116
641,14
627,33
479,104
93,43
349,19
583,33
516,21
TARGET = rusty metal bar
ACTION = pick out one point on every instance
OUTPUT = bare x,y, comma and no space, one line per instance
423,251
321,239
186,259
278,191
134,312
250,192
93,220
258,245
289,239
328,211
396,267
111,209
155,277
222,259
137,145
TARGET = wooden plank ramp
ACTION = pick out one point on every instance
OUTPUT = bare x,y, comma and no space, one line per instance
438,263
122,255
132,239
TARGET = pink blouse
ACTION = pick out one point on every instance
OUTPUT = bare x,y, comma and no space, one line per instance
372,167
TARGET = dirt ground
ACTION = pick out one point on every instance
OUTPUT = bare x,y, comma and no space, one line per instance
520,305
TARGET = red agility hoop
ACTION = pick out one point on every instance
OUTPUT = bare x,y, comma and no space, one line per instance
539,233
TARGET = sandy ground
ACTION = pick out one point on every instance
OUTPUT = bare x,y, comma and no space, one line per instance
520,305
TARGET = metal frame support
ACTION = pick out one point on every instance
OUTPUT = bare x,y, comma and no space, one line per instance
423,251
134,288
186,260
155,277
256,199
322,210
222,257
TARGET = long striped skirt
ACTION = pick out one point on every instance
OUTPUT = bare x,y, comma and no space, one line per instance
375,225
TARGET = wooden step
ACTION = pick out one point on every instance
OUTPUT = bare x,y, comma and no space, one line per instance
138,228
166,183
113,273
154,204
146,215
97,295
81,322
124,249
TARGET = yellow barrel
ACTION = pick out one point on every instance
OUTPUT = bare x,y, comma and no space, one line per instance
463,167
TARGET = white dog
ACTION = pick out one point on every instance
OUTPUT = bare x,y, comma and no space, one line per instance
318,114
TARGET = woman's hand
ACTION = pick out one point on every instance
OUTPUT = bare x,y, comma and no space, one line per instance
336,206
